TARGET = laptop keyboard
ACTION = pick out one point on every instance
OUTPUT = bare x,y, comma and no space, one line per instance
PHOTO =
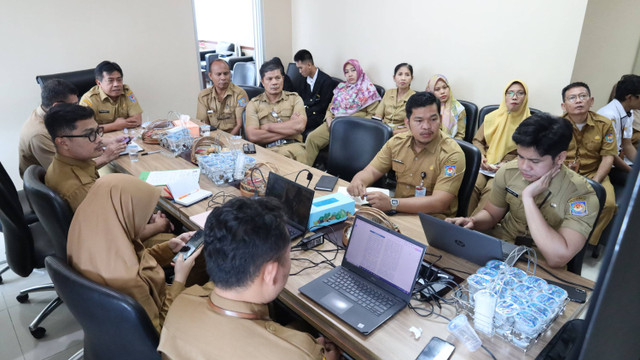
360,292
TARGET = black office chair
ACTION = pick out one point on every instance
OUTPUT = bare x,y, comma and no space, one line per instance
380,90
203,60
115,325
471,110
207,62
293,73
252,91
489,108
54,213
236,59
353,143
473,158
26,246
244,73
575,264
84,80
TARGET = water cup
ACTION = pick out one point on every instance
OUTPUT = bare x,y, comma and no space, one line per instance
132,149
205,130
484,310
462,330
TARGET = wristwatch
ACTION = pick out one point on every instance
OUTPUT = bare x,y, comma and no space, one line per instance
394,204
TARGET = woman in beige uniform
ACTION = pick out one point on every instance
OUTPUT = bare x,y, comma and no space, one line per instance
392,107
104,244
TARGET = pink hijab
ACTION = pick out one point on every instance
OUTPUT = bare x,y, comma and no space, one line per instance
349,98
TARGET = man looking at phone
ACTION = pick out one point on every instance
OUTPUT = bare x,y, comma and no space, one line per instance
248,260
536,198
429,165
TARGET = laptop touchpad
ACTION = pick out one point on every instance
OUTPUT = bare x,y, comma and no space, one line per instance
336,303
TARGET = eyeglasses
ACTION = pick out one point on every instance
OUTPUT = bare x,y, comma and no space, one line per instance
92,135
574,98
516,94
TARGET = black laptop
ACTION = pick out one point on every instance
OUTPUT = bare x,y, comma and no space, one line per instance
296,200
375,281
465,243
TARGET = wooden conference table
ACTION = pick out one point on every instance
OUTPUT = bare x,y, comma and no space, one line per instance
393,339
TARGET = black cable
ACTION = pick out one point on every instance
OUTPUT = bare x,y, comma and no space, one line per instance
457,270
214,201
564,280
309,176
488,352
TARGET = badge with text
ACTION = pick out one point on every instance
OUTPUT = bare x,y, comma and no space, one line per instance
449,170
578,208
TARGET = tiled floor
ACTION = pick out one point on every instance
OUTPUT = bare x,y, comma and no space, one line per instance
64,335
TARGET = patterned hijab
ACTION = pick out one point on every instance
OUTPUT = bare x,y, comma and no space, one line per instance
349,98
499,126
450,110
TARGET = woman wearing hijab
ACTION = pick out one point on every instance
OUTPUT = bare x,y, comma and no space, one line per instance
357,96
104,244
453,114
494,139
392,107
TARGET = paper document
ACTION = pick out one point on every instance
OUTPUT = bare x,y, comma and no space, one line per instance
186,191
488,173
357,199
165,177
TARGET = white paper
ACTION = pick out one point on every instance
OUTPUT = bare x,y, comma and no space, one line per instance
488,173
165,177
186,191
357,199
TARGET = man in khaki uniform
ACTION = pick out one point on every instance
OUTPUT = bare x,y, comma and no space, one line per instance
222,104
276,119
231,320
592,147
429,165
35,146
114,104
536,200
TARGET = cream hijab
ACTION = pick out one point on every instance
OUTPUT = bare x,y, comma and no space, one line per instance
104,240
500,125
449,111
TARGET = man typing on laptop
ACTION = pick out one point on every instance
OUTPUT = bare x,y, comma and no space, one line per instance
429,165
535,199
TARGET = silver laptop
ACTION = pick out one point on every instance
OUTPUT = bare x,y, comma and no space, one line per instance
465,243
296,200
375,281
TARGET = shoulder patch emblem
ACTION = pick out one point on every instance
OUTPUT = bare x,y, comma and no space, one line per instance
242,102
449,170
132,98
609,138
578,208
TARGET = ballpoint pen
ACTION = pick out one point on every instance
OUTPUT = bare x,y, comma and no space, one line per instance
150,152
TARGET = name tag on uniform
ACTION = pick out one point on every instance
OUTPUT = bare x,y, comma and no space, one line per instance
420,191
103,111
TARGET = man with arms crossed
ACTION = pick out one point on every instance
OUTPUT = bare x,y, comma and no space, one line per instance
536,197
222,104
275,119
429,165
248,260
112,101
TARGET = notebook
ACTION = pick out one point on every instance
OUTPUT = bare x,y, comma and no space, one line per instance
375,280
465,243
186,191
296,200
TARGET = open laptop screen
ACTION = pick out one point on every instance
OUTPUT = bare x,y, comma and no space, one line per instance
295,198
384,253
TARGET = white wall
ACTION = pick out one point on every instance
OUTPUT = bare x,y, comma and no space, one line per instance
223,20
608,46
153,41
479,45
277,20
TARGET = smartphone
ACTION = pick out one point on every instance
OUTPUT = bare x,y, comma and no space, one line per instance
192,245
326,183
575,294
436,349
249,148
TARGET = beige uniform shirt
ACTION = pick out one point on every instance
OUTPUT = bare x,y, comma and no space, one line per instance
390,110
107,110
572,204
221,114
71,178
193,330
259,110
596,139
35,146
441,160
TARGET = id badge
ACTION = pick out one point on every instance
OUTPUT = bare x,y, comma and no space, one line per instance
420,191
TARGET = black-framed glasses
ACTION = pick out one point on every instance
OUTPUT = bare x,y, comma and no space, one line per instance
92,135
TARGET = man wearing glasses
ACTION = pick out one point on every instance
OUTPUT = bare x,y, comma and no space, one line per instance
113,103
592,147
78,141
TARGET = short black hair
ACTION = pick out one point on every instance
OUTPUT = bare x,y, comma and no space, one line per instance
548,134
240,237
302,56
271,65
107,67
395,70
56,90
628,85
61,119
421,99
575,85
